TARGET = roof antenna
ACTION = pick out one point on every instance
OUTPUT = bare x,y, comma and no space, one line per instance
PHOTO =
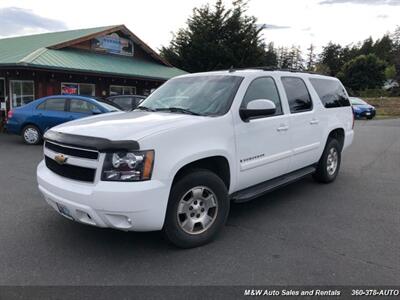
231,69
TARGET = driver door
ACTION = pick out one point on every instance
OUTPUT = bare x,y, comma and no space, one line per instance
263,144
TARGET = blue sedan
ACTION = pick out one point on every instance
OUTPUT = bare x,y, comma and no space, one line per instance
33,119
362,109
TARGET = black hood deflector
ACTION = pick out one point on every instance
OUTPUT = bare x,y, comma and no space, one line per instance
90,142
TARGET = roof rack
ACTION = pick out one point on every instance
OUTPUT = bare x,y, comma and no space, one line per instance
270,68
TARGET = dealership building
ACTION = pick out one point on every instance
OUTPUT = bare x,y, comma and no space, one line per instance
99,61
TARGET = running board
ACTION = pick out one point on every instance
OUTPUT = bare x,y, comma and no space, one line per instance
270,185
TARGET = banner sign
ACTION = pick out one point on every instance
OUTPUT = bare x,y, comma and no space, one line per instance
114,44
69,89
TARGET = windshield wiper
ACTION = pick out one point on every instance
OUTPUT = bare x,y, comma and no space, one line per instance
144,108
179,110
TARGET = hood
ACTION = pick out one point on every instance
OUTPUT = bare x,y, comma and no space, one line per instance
133,125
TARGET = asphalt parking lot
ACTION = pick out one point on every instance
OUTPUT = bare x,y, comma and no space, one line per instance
345,233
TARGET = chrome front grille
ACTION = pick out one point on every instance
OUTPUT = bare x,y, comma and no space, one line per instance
77,163
73,151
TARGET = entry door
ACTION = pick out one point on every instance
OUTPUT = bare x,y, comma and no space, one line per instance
305,125
263,144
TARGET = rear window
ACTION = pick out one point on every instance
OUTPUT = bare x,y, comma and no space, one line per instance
331,92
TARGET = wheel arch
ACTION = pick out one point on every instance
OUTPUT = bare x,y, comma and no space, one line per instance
30,123
338,134
218,164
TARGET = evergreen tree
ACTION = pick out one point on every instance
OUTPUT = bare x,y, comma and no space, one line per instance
363,72
331,56
217,38
311,58
271,56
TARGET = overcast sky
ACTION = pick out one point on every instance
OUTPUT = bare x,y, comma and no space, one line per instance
298,22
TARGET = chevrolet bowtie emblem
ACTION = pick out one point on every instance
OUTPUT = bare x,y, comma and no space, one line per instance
60,159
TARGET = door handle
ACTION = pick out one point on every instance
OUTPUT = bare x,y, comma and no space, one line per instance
314,121
282,127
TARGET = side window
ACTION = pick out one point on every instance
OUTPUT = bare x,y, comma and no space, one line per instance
297,94
331,92
56,104
263,88
123,102
81,106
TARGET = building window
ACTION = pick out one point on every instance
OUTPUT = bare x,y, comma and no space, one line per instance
122,90
2,88
84,89
2,94
22,92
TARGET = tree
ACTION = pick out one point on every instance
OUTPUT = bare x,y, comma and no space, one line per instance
322,69
271,57
331,56
311,57
283,58
218,38
383,48
367,47
396,50
390,72
363,72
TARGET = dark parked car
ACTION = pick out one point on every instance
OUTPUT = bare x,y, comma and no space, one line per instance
126,102
33,119
362,109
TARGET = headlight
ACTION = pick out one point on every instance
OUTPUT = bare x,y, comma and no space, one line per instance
128,166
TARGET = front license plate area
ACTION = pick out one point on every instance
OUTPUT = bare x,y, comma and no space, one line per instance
64,211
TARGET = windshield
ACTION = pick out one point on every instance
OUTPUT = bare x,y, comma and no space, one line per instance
357,101
200,95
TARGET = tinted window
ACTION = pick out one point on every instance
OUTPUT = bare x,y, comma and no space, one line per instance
263,88
81,106
331,92
57,104
124,102
297,94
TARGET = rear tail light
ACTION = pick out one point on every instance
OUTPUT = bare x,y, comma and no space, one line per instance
10,114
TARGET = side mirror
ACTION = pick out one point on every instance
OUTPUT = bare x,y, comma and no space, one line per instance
257,108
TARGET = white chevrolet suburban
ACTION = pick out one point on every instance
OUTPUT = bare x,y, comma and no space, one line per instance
197,143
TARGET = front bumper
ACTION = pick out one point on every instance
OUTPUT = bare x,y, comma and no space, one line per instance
365,114
130,206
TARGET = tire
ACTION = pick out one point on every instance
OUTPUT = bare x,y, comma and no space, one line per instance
329,164
31,135
197,210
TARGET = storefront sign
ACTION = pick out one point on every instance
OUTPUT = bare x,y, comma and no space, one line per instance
69,89
113,43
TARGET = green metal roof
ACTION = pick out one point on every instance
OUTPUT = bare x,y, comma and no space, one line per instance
33,51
